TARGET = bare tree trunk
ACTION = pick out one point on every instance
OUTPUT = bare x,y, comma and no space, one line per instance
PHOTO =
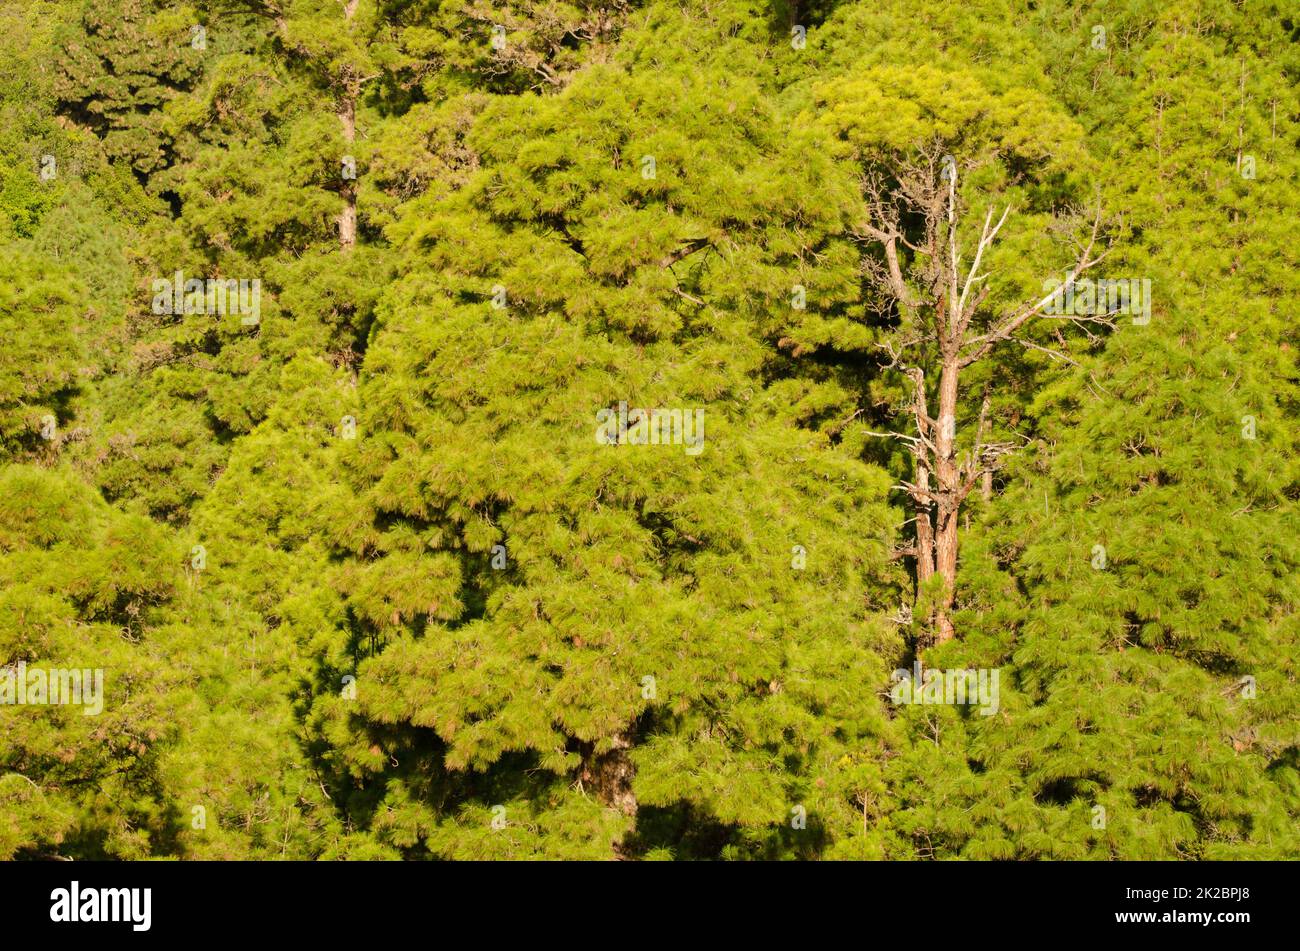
921,497
347,114
949,492
924,527
348,216
610,775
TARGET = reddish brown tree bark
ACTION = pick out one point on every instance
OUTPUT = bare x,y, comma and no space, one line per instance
347,221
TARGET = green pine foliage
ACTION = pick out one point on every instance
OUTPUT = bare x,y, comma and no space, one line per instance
367,576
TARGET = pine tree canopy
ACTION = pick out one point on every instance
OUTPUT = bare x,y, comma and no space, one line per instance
631,429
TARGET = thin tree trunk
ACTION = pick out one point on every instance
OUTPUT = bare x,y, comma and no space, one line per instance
347,220
348,216
921,499
949,478
924,524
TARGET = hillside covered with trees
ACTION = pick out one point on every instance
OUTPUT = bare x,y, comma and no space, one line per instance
579,429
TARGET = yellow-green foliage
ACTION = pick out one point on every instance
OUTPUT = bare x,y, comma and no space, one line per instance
365,582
